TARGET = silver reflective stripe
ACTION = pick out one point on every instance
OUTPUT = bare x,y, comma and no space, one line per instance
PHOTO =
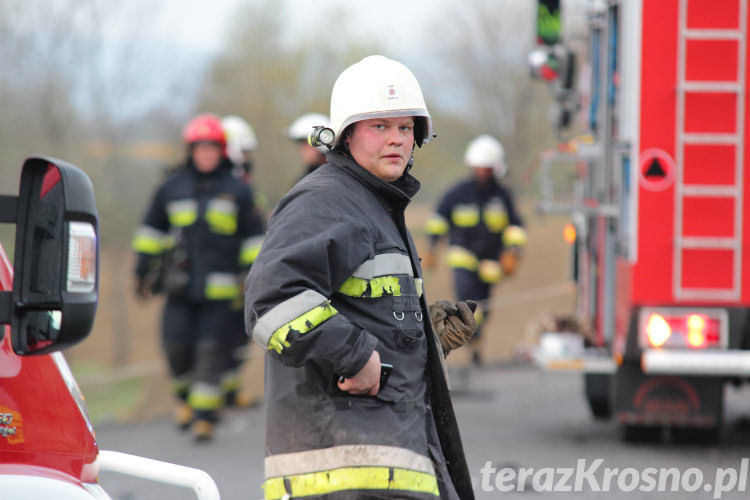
182,206
357,455
253,242
222,205
283,313
150,232
384,264
221,279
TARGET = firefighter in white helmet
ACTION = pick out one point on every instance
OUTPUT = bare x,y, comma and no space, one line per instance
485,230
299,131
357,401
241,142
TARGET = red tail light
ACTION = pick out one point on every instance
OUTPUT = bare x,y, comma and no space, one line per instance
683,328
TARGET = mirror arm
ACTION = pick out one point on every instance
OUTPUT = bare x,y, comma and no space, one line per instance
6,308
8,208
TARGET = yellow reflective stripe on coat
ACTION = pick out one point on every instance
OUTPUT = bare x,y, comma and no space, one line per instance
182,213
351,478
465,215
250,250
149,240
222,286
301,324
373,288
221,216
436,225
460,258
514,235
495,217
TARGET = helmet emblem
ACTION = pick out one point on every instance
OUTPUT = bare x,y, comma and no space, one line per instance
392,94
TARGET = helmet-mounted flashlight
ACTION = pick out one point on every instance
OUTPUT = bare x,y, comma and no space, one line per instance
321,136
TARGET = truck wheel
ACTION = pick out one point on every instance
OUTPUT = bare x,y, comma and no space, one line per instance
598,394
641,433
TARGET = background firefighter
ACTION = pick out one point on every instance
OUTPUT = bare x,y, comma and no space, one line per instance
196,238
484,228
241,142
335,292
311,156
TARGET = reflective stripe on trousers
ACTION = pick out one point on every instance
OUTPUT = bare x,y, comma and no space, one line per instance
349,467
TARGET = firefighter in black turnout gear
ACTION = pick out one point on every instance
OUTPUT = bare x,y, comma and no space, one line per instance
486,231
197,237
357,400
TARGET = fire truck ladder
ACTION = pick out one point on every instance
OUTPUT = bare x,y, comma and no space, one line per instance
689,240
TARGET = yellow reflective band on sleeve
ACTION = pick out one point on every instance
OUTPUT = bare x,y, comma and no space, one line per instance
495,218
149,240
250,250
301,324
351,478
490,271
148,245
249,255
372,288
436,225
460,258
514,235
465,215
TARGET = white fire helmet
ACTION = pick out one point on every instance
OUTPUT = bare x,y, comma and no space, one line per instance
486,151
300,129
378,87
240,137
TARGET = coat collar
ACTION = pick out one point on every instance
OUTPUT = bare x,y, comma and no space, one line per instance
397,193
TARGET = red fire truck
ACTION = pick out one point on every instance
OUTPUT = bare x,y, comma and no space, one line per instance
662,246
47,303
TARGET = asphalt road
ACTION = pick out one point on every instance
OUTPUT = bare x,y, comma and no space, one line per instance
514,419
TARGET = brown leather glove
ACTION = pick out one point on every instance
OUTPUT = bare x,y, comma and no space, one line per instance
454,323
509,260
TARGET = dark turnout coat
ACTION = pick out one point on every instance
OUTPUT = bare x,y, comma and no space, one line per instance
338,277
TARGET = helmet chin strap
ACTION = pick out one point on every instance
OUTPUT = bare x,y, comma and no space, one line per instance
410,163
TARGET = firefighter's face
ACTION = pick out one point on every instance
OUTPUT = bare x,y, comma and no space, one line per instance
383,145
206,156
483,174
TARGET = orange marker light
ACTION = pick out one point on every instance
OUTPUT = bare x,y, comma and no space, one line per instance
657,330
569,234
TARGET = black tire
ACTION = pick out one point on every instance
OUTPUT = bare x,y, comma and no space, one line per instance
599,394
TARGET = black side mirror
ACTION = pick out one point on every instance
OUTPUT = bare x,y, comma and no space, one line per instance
55,284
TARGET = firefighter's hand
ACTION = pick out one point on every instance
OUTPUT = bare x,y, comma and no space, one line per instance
454,323
142,289
367,380
509,260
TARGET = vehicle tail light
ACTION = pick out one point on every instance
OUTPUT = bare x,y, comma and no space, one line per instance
657,330
81,258
698,328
